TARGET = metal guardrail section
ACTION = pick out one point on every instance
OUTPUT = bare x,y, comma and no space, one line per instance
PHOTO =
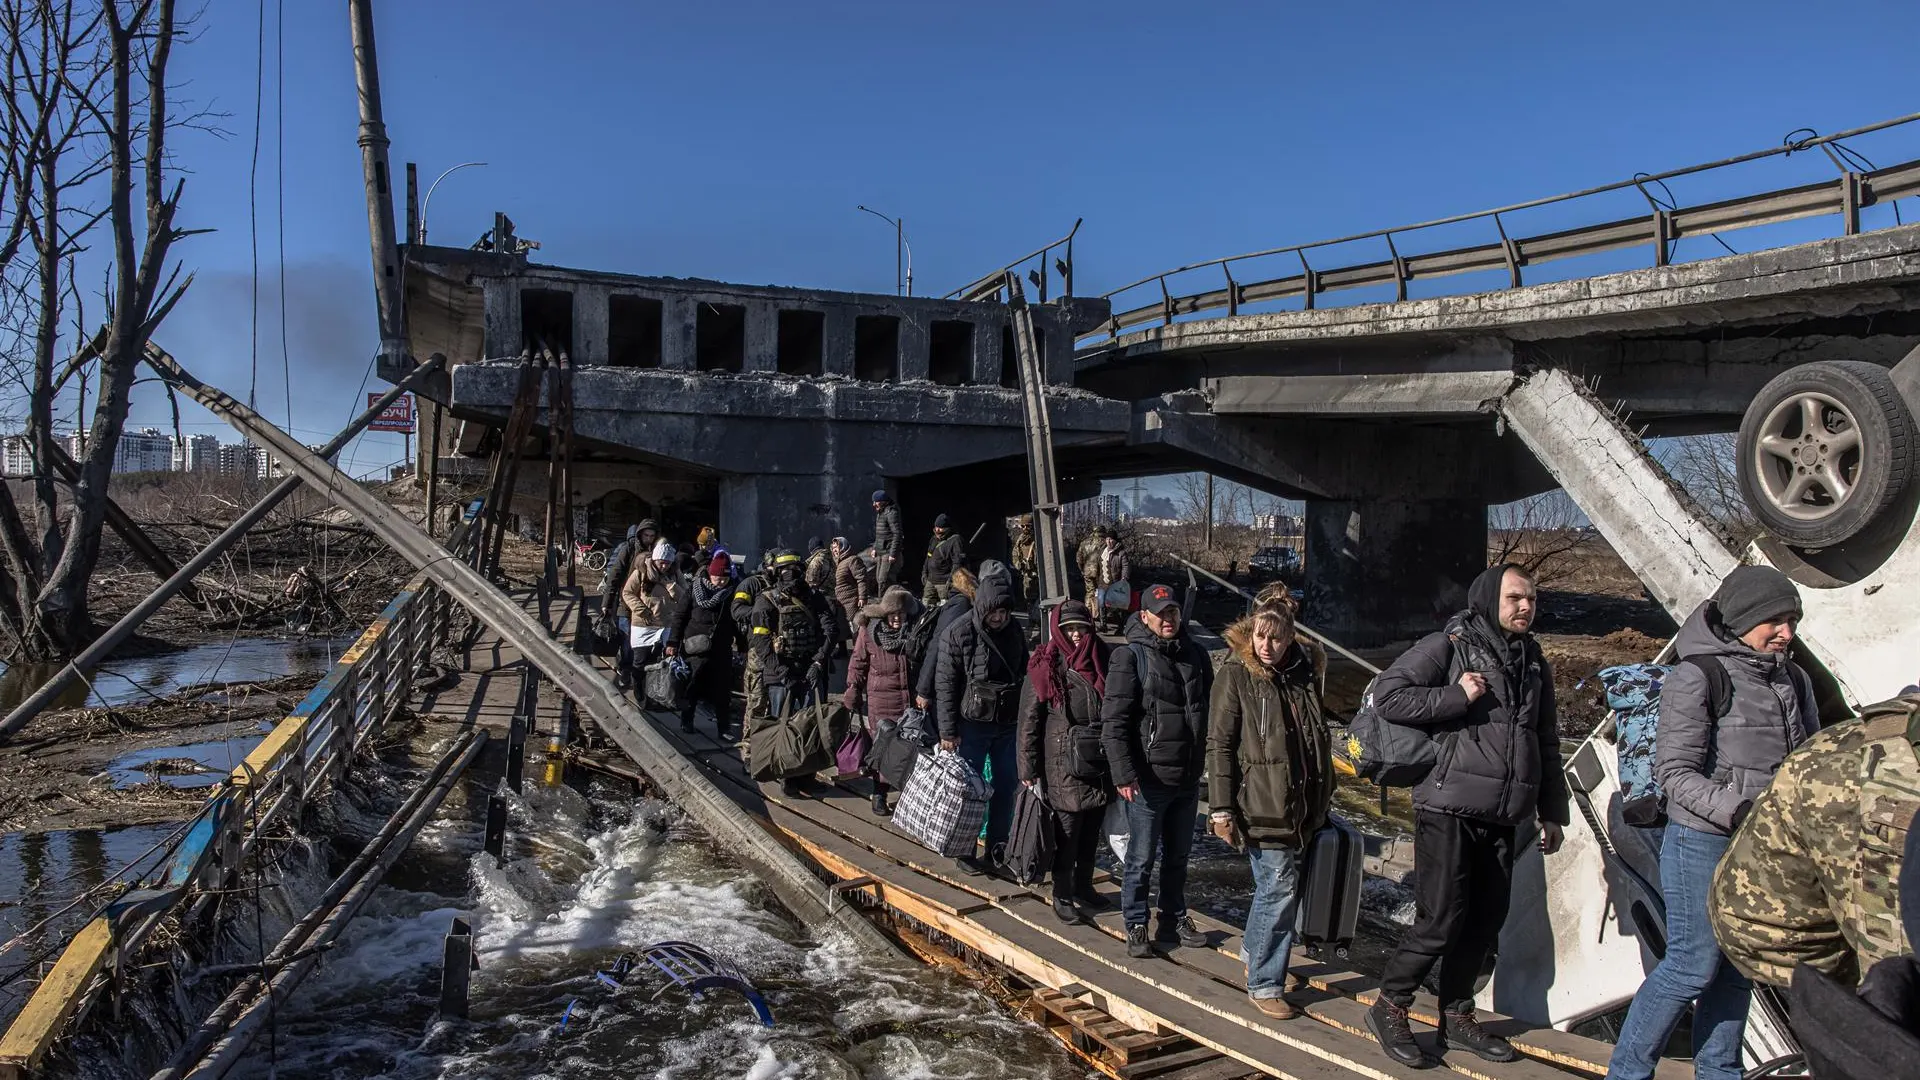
307,750
1660,228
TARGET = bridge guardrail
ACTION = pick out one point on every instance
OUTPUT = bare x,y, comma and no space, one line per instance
1665,224
304,752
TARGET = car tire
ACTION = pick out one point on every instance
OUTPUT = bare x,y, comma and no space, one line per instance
1824,451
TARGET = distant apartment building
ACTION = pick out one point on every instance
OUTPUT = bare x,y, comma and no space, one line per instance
1099,510
196,453
18,457
146,450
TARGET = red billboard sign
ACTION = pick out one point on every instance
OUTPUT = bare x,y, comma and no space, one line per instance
395,417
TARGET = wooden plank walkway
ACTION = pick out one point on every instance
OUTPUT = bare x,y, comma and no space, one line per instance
1181,1016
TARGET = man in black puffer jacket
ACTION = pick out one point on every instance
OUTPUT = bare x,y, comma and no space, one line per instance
1486,693
980,661
1154,728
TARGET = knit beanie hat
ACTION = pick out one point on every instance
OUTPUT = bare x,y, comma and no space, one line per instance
665,552
1753,594
721,564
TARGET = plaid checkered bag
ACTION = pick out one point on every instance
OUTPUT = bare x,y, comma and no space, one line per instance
944,804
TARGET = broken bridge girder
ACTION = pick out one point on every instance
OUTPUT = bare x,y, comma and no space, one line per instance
1049,539
678,777
1608,473
103,646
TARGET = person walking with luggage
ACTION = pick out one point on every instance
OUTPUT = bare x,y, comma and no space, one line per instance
1113,567
1154,729
1269,781
654,595
958,605
1059,751
705,635
880,672
946,552
613,606
889,541
1483,688
979,664
853,585
1730,711
792,633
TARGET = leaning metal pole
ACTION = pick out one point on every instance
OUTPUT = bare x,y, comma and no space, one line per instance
104,645
680,778
1049,538
373,166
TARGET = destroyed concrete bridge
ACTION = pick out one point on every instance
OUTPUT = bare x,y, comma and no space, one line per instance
777,411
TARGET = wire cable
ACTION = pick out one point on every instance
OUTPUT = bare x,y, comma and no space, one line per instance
253,204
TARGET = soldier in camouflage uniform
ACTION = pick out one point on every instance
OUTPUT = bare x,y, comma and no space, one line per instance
1813,873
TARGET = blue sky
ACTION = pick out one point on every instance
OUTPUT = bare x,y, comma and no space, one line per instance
733,141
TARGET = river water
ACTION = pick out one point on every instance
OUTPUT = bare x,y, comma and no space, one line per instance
124,680
585,878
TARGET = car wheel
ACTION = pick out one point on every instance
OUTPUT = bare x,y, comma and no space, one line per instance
1824,451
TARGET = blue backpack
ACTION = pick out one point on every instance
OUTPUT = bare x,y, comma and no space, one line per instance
1633,693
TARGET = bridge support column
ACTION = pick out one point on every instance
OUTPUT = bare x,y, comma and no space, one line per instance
777,510
1385,570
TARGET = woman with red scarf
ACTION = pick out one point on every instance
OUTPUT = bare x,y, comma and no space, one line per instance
1059,750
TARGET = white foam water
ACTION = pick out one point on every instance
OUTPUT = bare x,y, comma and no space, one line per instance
583,881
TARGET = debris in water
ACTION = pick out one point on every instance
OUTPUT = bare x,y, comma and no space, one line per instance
688,966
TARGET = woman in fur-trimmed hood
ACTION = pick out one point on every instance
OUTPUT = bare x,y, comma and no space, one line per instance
880,671
1270,779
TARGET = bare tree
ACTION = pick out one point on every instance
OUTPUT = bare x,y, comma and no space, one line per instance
1545,534
86,121
1704,465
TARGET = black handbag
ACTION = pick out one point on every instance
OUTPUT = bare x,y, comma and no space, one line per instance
698,645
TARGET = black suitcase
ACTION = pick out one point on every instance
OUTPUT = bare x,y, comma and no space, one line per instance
1330,889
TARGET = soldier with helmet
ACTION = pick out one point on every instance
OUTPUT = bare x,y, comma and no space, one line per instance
791,632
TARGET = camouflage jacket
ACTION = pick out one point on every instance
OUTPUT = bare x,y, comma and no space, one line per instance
1812,875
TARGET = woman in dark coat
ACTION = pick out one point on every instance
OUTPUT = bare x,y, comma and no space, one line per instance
880,670
1059,749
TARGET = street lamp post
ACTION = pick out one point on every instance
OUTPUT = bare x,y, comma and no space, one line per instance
899,245
427,202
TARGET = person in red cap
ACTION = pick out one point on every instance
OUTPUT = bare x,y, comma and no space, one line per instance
705,633
1154,727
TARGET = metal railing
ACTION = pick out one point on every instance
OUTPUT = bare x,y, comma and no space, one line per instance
1660,228
992,285
304,753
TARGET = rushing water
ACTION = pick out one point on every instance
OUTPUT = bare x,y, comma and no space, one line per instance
142,678
584,880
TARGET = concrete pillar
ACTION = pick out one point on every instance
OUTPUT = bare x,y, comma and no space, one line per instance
762,511
837,358
678,323
987,348
763,337
502,338
1056,355
915,362
1380,571
590,325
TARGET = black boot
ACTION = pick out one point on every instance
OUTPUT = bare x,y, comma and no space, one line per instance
1138,946
1064,910
1463,1031
880,804
1388,1022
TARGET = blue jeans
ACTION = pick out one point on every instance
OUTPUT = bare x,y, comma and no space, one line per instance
1693,969
777,694
1268,943
1159,822
626,643
983,743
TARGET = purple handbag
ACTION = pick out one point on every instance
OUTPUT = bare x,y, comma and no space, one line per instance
850,757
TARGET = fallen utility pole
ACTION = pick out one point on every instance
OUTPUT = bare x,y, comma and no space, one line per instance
1049,539
678,777
218,1043
103,646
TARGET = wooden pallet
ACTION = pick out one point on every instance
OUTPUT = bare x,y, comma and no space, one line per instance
1121,1052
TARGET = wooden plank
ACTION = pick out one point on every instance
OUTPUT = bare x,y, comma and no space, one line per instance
32,1032
1558,1048
1264,1049
834,853
1220,999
